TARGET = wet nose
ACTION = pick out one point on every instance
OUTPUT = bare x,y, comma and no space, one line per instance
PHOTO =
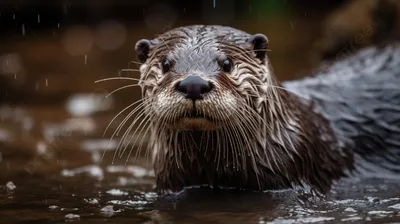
194,87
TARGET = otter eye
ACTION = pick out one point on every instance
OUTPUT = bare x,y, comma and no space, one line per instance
227,66
165,66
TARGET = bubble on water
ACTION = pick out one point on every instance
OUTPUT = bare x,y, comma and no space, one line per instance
92,201
350,210
150,195
135,171
396,206
302,220
72,216
109,210
128,202
10,186
116,192
78,40
356,218
110,35
91,170
380,213
53,207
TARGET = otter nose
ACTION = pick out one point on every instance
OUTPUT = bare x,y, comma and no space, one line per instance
194,87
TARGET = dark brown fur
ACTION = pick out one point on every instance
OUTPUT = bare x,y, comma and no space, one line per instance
287,144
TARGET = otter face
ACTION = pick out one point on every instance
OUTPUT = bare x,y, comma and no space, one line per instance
196,79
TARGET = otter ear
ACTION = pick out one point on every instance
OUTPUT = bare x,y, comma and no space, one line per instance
142,49
259,43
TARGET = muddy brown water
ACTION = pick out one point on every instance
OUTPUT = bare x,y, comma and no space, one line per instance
52,167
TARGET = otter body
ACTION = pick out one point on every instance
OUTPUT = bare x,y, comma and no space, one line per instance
219,117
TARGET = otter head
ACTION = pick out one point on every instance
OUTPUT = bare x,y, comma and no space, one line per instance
202,79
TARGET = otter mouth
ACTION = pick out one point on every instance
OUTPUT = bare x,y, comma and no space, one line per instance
196,121
197,115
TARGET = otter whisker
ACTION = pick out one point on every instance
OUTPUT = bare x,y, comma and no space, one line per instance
123,122
119,128
116,132
116,78
136,62
143,122
121,88
115,117
126,132
141,125
129,70
140,144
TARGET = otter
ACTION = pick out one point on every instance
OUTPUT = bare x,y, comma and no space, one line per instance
220,118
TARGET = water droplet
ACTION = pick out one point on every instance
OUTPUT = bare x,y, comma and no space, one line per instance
37,86
214,3
58,25
38,18
15,76
23,29
85,59
14,16
47,82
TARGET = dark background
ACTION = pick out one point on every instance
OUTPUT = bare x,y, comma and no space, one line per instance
32,35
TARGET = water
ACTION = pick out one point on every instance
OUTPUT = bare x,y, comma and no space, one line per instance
55,174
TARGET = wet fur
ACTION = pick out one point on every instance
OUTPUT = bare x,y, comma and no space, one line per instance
261,136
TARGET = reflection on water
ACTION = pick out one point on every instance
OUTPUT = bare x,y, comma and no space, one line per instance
58,164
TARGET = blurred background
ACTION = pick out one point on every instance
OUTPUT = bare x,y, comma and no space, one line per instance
53,114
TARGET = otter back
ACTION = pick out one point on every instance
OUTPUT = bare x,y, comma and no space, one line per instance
360,96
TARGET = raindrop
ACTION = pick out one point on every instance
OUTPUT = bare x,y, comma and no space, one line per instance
38,18
85,59
47,82
23,29
15,76
214,3
58,25
14,16
37,86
